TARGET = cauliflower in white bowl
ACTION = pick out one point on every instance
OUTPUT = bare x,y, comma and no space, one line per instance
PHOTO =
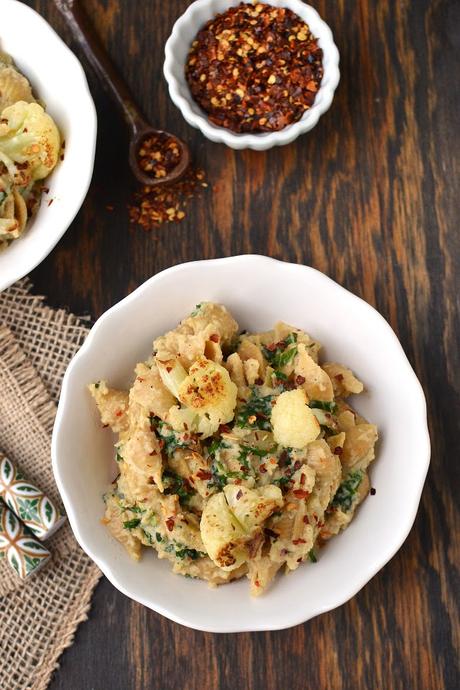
30,146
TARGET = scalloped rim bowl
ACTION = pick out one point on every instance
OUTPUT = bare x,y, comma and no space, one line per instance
176,50
258,291
58,80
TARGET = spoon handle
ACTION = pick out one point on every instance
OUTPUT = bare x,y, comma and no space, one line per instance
97,56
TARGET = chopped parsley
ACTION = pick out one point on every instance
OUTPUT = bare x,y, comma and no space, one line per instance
256,412
118,457
280,355
347,491
170,438
174,484
148,536
182,551
281,481
312,556
197,310
219,473
245,452
322,405
135,509
131,524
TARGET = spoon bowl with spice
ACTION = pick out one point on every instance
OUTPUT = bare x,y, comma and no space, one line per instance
251,75
155,157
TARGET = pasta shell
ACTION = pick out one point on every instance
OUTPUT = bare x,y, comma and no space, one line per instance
14,87
13,216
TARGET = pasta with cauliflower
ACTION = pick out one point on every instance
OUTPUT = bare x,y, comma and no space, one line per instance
29,150
238,454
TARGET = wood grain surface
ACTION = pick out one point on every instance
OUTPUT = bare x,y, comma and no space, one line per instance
370,197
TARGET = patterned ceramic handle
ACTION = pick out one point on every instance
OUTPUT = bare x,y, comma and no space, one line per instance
25,554
27,502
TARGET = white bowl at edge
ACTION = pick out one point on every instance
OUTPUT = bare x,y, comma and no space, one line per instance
59,81
176,51
258,291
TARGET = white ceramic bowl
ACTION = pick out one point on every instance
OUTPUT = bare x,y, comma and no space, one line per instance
258,291
176,51
58,80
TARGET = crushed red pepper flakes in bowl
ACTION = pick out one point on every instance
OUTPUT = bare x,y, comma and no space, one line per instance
254,68
155,205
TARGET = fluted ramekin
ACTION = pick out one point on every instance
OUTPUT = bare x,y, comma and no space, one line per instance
176,51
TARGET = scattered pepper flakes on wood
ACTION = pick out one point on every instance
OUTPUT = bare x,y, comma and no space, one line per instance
156,205
158,155
255,68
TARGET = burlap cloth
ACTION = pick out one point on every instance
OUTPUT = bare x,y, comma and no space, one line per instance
38,618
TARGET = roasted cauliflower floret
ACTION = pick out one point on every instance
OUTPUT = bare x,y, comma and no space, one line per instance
294,424
207,395
29,138
233,518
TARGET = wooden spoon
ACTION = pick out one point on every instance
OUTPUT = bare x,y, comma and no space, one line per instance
140,129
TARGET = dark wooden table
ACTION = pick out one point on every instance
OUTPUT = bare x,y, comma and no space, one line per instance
370,197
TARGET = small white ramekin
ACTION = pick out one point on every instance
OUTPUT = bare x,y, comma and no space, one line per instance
176,51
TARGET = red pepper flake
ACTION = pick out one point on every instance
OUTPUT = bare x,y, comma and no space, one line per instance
298,541
203,474
338,377
50,202
258,382
301,493
155,205
297,465
254,68
338,450
284,458
299,380
306,520
214,337
302,479
224,429
239,494
170,524
140,379
271,347
109,208
262,468
257,583
159,155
